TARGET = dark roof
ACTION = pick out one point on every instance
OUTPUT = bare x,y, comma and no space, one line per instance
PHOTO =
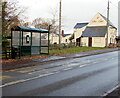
95,31
80,25
28,29
66,35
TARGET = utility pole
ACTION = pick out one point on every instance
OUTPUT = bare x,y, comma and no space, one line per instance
108,9
60,10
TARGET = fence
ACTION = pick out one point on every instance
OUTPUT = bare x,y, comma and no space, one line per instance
76,44
63,45
6,53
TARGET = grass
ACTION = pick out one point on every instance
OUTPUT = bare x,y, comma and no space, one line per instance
74,50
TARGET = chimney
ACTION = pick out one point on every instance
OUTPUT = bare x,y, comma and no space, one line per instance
62,33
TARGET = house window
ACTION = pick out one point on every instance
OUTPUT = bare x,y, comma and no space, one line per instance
111,40
66,40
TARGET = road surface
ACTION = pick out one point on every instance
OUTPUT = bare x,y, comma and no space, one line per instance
88,76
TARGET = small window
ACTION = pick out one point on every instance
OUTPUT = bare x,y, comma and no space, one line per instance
66,40
110,40
27,39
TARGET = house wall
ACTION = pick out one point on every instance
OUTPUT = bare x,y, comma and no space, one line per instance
101,41
97,21
78,32
84,41
98,42
66,39
111,35
54,38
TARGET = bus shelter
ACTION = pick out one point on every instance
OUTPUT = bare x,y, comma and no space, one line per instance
29,41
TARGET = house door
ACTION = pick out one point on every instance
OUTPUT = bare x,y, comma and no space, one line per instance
78,40
90,41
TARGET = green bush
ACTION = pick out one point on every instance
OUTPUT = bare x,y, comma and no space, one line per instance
5,43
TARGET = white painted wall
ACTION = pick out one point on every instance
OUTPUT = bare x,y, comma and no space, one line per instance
84,41
112,32
78,32
98,42
54,38
97,20
66,39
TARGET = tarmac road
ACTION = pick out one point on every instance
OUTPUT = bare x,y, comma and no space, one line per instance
88,76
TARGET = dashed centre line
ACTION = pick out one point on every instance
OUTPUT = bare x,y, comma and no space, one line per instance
40,76
45,74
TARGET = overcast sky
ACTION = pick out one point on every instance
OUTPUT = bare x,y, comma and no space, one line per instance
73,11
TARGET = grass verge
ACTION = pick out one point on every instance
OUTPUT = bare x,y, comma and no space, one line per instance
74,50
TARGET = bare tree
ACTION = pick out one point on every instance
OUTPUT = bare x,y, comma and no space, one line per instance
44,23
40,23
10,17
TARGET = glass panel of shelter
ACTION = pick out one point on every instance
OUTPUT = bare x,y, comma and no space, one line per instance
26,38
35,39
44,43
16,37
44,39
15,44
35,50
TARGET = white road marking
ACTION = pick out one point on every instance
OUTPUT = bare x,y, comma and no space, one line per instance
43,75
24,80
94,62
72,64
83,65
40,76
110,91
67,69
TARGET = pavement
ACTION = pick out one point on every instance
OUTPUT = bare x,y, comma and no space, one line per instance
34,62
71,75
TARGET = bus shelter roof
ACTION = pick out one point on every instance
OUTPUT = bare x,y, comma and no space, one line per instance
28,29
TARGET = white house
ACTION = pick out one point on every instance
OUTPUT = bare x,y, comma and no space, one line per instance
78,30
65,38
54,38
94,34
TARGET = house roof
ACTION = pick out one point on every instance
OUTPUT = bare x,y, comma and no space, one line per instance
110,23
80,25
28,29
95,31
66,35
